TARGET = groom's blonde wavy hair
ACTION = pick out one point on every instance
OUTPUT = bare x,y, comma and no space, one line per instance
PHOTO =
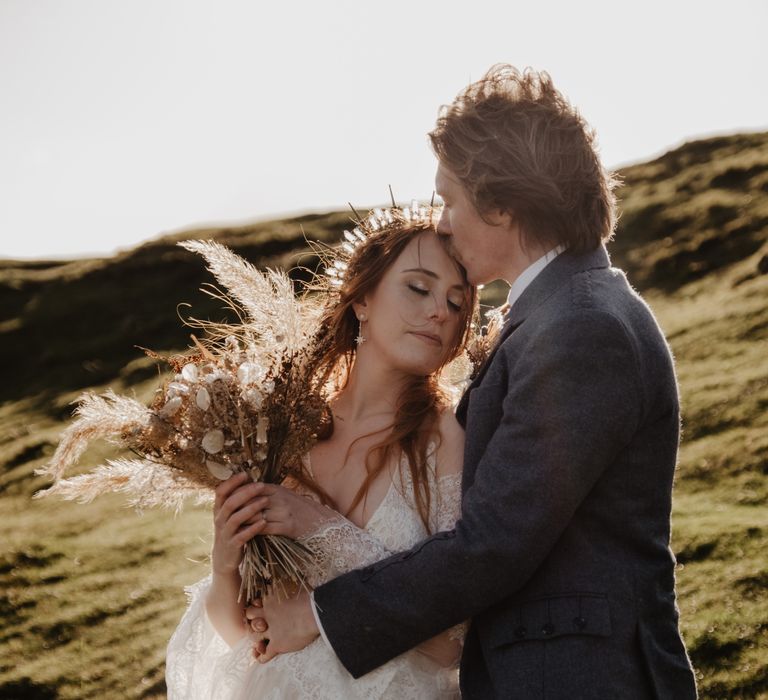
517,145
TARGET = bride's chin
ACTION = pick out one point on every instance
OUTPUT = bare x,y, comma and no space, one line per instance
413,364
419,369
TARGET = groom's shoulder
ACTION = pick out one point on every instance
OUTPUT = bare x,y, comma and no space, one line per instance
592,307
602,288
603,292
591,300
599,308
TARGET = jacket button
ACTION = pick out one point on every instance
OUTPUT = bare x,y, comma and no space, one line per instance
579,623
548,629
521,632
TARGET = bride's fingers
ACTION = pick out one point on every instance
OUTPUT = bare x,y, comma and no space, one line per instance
282,497
240,495
254,609
262,489
235,501
268,654
259,624
279,521
249,513
248,533
277,528
256,603
253,614
278,513
275,503
226,488
259,649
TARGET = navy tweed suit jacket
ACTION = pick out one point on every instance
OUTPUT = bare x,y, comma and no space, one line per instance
561,557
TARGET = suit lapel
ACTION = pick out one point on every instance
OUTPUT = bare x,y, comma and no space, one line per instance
544,285
461,408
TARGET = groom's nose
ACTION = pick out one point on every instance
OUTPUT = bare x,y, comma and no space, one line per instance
444,225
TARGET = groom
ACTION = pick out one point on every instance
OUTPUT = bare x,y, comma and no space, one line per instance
561,557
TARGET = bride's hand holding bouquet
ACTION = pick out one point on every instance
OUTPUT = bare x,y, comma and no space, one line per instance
240,514
237,519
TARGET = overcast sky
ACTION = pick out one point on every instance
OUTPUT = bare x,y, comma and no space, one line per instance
124,119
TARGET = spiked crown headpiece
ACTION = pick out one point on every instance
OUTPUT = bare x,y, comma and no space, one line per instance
379,223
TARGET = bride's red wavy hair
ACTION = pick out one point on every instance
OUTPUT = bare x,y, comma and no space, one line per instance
423,397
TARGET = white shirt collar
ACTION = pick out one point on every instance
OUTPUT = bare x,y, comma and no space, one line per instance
529,274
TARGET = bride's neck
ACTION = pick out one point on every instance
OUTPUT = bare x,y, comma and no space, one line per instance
372,391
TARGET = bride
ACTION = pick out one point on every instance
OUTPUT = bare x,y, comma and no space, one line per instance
385,477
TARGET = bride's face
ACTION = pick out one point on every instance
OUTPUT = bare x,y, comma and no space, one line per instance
412,318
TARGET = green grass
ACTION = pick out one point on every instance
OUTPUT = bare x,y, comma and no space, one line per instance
717,329
89,594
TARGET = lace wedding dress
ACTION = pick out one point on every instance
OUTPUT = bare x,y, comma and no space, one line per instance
199,664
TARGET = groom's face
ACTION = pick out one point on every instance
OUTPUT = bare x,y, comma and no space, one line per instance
482,245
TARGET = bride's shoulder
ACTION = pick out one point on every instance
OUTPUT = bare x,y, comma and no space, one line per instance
449,455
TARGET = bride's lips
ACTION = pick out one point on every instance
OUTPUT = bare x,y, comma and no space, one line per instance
430,338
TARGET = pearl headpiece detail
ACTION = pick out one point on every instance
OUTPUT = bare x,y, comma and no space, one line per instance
379,222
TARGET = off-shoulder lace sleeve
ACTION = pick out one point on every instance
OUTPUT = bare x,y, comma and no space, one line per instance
339,546
447,502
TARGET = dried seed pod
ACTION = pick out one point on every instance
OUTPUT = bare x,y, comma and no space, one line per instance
220,471
177,389
203,399
189,372
213,441
171,407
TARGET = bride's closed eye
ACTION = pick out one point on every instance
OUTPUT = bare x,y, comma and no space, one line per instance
421,291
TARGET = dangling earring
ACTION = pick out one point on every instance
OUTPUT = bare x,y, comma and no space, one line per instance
360,338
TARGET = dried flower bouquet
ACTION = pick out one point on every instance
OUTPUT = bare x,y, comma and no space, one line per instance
247,398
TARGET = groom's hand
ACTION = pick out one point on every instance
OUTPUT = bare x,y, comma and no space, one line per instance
281,625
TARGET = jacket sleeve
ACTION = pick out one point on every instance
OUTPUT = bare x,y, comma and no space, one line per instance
572,401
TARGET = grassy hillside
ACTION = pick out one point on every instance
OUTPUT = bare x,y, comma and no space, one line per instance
694,237
90,594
